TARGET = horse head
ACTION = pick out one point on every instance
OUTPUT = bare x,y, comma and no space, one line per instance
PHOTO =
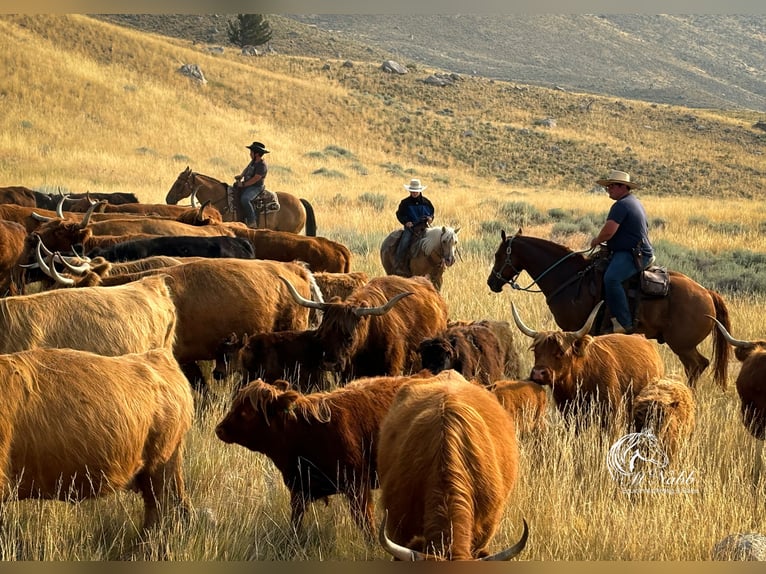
182,187
507,266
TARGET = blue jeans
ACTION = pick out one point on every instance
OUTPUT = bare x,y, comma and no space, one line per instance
621,267
404,244
247,195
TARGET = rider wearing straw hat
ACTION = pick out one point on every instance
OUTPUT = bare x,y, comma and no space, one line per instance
415,213
626,233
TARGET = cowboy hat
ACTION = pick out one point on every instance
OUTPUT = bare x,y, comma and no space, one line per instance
258,147
415,186
618,177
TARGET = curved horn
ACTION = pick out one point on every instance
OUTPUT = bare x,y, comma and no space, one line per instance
86,217
585,329
60,279
382,309
65,261
732,341
509,553
399,552
520,324
60,205
41,259
80,257
201,212
193,198
87,196
300,299
41,218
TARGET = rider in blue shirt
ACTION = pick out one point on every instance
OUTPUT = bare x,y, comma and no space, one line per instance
415,213
626,232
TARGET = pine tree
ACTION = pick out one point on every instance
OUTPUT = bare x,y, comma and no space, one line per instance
249,30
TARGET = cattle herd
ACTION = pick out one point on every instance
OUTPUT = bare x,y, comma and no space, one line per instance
347,383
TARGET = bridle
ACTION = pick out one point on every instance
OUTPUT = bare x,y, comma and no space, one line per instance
516,272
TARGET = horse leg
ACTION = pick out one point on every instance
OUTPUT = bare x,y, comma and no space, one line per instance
694,363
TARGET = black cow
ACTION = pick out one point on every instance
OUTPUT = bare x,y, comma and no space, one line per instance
176,246
50,201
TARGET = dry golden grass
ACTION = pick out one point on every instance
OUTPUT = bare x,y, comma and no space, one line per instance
90,106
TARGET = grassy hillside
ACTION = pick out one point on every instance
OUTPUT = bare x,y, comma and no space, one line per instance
89,105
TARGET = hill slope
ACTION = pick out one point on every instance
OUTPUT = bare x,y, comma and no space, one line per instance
709,61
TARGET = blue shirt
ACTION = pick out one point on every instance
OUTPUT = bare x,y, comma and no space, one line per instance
634,229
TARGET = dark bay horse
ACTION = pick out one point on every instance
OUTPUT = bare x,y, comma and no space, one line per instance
572,288
294,214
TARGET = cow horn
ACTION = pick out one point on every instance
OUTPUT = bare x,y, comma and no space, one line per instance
382,309
201,212
42,218
399,552
87,196
300,299
86,217
732,341
41,259
65,261
60,279
585,329
60,205
520,324
509,553
193,198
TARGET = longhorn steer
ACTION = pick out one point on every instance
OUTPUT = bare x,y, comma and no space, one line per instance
750,388
323,443
603,373
447,462
175,246
78,425
377,329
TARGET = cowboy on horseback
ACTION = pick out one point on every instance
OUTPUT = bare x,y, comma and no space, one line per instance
415,213
252,182
626,233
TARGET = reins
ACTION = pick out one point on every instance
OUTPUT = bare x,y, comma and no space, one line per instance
535,280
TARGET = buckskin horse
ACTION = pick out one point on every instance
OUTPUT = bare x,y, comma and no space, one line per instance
430,253
294,213
572,287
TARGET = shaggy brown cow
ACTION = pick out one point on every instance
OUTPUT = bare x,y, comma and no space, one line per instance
525,400
750,388
339,284
189,214
12,237
105,320
18,195
295,356
217,297
504,333
667,408
592,375
321,253
322,443
78,425
447,461
472,349
377,329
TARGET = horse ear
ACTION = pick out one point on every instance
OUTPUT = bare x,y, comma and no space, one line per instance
502,234
457,231
519,231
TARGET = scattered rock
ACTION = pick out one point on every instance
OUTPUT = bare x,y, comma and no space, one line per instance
760,125
393,67
194,72
250,51
749,546
545,122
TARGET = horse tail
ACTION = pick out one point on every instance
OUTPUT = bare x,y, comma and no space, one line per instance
720,345
311,222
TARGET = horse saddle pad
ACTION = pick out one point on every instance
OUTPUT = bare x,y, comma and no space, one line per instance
655,281
266,202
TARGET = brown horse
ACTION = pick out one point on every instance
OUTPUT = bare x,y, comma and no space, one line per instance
294,214
430,254
572,287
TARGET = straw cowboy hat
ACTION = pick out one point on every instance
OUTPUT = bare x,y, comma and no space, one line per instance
618,177
415,186
258,147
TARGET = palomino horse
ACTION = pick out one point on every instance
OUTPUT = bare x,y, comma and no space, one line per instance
294,214
430,254
572,287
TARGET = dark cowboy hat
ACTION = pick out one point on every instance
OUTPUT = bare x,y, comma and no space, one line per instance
258,147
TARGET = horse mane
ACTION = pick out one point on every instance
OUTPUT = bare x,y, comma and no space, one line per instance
208,177
431,240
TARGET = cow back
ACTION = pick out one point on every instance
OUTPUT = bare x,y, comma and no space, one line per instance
447,462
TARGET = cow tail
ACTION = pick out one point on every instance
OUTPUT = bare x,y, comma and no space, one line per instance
720,345
311,222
